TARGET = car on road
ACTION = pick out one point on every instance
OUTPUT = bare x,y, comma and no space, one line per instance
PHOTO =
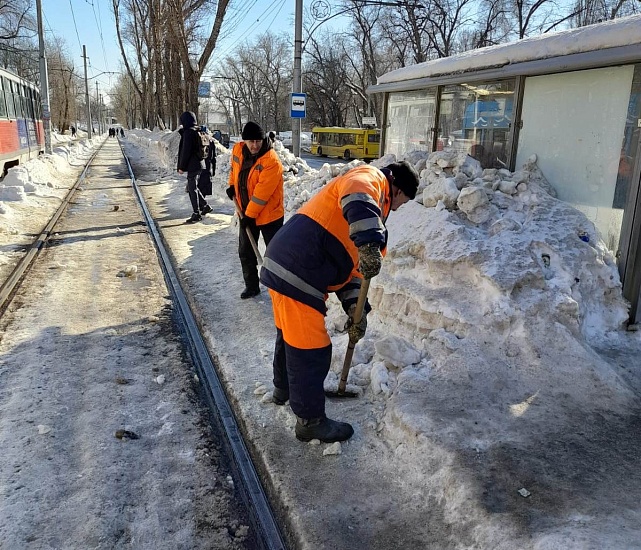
222,137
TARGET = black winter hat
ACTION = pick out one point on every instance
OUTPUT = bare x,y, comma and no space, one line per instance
253,131
405,177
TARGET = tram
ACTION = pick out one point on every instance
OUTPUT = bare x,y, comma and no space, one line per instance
21,127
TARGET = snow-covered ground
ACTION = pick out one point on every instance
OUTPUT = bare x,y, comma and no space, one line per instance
496,358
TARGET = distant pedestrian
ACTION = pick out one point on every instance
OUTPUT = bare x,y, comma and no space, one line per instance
204,180
73,131
122,132
190,162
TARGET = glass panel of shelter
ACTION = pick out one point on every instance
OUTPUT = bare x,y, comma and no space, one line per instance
410,119
477,119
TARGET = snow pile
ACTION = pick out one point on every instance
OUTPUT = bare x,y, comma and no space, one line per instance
486,266
300,181
516,250
31,192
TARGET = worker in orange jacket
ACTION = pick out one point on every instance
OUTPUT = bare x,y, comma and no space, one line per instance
256,184
329,245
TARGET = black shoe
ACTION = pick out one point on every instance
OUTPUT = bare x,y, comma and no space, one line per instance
280,397
206,209
323,428
195,217
249,293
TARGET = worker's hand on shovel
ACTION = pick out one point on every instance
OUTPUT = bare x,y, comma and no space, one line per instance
370,260
356,331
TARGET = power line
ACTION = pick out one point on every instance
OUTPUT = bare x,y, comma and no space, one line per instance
73,16
239,16
275,16
269,9
99,24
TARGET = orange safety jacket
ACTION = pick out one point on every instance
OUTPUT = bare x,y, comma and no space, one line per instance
316,251
264,185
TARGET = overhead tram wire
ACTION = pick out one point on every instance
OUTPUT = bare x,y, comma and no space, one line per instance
98,20
258,21
239,17
275,16
73,16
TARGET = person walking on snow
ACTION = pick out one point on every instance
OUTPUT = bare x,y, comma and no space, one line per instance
331,244
190,162
256,184
204,180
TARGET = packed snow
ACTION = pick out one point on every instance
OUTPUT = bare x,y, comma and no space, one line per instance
497,318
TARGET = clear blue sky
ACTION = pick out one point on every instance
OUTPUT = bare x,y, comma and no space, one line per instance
91,23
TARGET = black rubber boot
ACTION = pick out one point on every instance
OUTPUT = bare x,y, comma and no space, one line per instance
280,397
249,293
323,428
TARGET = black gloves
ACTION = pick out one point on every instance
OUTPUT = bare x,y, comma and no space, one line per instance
231,192
355,331
369,260
246,222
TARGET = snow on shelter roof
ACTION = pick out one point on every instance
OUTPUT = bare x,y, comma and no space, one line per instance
622,37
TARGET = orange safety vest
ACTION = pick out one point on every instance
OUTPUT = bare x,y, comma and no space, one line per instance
316,251
264,185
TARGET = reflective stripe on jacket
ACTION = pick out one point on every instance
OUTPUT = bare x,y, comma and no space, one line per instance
264,185
316,252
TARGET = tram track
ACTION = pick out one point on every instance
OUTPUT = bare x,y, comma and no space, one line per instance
9,285
268,535
253,493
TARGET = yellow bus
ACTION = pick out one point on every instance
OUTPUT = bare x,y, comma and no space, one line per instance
348,143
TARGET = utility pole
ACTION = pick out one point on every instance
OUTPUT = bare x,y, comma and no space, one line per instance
98,109
84,57
297,85
44,81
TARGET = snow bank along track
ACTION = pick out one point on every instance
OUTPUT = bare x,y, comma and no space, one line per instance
248,483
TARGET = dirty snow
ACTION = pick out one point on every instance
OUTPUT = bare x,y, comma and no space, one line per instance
497,331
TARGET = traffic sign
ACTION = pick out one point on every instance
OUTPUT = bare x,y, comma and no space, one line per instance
298,104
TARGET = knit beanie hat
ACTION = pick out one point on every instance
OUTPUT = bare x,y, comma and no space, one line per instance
253,131
405,177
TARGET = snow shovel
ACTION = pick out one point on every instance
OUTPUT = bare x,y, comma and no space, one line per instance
347,363
249,234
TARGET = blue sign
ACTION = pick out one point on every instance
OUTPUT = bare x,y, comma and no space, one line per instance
298,102
204,89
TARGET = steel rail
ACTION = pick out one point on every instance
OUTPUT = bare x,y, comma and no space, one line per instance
9,286
252,492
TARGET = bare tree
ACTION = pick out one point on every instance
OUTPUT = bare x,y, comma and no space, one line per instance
64,85
367,37
588,12
257,80
185,20
15,19
325,78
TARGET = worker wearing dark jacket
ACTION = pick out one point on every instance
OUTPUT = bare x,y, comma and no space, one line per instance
256,184
329,245
190,162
